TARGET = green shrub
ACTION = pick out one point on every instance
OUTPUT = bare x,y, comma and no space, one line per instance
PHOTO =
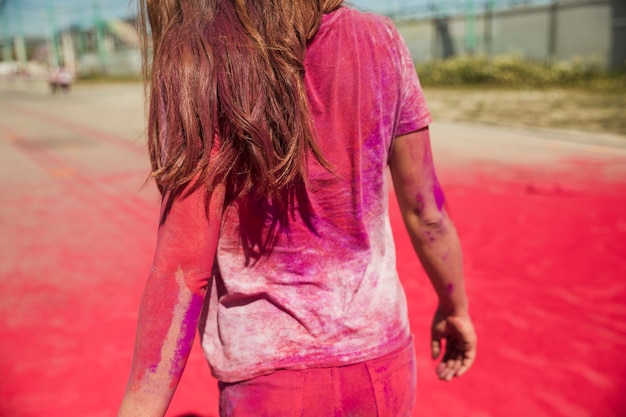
515,71
95,78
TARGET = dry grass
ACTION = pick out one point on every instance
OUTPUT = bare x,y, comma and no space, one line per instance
572,109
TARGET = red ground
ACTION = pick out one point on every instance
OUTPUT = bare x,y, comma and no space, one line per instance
545,260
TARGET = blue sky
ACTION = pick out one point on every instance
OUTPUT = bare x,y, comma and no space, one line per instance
36,17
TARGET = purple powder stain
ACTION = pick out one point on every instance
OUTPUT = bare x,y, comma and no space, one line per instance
440,199
450,288
419,201
189,325
430,236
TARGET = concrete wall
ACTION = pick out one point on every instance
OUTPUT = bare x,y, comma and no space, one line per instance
588,29
420,38
618,28
584,31
522,31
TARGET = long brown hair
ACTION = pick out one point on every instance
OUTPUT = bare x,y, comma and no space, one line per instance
227,100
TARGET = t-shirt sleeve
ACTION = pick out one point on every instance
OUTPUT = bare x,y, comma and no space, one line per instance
413,111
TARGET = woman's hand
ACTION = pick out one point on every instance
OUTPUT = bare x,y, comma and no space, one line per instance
460,344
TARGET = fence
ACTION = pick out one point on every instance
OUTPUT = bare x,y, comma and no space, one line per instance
545,32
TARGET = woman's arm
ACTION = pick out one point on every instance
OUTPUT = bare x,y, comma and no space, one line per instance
437,245
172,301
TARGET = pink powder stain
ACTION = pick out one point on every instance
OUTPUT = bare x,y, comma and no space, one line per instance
544,261
555,261
181,247
181,269
158,302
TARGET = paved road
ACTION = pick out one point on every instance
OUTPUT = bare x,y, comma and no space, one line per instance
541,215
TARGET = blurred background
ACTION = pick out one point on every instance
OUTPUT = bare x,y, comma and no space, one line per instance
529,137
98,37
511,44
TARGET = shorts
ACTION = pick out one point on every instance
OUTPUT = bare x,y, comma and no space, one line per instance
382,387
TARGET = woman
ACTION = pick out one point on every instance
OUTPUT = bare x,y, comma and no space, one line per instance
270,129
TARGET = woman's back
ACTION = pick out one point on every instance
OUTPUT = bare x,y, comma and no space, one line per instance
328,292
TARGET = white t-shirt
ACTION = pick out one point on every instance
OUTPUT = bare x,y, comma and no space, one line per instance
328,294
